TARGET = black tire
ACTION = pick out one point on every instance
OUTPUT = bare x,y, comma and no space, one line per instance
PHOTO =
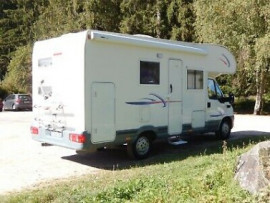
140,148
224,130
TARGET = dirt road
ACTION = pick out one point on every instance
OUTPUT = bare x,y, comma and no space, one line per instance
24,162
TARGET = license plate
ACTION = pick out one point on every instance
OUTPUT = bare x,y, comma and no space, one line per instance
54,134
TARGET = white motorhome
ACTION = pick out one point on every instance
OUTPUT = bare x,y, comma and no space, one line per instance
95,89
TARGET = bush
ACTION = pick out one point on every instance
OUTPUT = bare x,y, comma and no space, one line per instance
245,105
18,79
3,92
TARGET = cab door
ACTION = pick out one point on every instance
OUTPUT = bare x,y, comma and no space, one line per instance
216,110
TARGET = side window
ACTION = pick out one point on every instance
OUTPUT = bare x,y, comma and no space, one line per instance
194,79
214,92
149,73
10,97
219,92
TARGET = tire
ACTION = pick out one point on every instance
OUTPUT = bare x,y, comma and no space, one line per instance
224,131
140,148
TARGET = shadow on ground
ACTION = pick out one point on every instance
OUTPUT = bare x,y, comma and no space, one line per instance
117,159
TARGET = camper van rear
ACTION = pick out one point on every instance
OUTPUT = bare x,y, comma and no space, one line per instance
95,89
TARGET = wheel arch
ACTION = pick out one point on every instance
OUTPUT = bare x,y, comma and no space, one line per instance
149,131
229,119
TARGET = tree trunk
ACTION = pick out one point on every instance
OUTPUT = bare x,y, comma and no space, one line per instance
158,20
260,80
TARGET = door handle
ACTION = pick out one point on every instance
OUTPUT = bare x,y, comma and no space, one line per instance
171,88
208,104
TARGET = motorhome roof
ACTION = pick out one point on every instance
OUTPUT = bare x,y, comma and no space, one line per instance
138,40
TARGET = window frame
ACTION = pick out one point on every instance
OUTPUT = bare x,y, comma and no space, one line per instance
196,85
153,70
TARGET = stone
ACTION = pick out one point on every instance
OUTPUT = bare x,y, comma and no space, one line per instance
253,168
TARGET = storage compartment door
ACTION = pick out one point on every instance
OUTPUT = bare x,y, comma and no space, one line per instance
103,112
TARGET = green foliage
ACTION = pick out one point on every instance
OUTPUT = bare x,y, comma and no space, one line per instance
181,18
142,17
3,92
243,26
101,15
58,17
15,28
18,77
161,19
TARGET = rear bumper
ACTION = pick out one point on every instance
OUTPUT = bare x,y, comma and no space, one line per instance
23,106
61,139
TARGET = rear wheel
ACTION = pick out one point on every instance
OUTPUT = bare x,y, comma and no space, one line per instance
224,131
140,148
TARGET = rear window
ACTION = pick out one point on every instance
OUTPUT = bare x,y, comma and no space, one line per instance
25,97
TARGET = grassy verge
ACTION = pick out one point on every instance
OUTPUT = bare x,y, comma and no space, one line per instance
186,175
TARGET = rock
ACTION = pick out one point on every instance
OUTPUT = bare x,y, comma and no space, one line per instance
253,168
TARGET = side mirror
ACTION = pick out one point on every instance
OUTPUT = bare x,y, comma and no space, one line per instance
231,97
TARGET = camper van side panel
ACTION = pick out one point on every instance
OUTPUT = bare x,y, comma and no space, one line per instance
120,65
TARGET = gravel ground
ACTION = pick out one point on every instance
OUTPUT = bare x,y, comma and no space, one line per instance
25,163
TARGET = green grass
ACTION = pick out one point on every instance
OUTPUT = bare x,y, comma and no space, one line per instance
184,174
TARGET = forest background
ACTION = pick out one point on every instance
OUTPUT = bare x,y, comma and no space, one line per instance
241,25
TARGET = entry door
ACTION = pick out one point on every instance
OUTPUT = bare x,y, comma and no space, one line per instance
103,112
175,97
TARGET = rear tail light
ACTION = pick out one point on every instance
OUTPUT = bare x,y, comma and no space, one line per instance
34,130
79,138
18,101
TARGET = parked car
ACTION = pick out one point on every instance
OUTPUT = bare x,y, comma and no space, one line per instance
1,105
17,102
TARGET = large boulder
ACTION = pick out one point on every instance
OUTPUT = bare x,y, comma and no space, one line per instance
253,168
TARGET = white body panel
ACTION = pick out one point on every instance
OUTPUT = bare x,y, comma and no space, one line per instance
91,82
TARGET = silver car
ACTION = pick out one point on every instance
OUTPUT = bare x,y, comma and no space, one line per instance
17,102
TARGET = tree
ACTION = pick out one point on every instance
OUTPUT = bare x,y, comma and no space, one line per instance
18,78
5,46
171,19
237,25
103,15
143,17
16,19
181,20
57,17
262,65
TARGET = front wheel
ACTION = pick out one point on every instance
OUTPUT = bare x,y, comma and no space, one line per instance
224,131
140,148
